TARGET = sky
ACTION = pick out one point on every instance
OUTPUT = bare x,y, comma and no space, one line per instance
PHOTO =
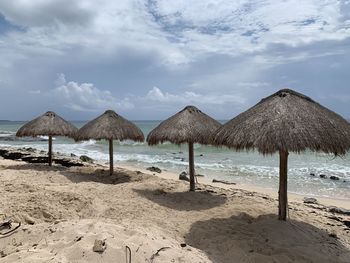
147,59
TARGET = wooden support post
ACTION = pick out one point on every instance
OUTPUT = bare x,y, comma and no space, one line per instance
191,166
282,193
110,156
50,151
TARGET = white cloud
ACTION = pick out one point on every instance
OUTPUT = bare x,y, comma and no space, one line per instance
235,27
86,97
254,84
190,97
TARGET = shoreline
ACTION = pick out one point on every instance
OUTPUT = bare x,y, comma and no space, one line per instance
166,174
293,197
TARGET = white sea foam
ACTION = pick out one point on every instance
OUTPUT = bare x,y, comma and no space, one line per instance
3,134
46,138
242,168
87,143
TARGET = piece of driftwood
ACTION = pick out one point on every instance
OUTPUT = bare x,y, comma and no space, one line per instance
157,253
8,225
222,181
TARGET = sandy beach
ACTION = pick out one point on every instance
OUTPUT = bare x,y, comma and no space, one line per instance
64,210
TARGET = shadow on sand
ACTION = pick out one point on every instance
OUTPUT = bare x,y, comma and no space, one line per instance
183,201
83,174
100,176
243,238
40,167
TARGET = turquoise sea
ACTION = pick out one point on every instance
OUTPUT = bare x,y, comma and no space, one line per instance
244,168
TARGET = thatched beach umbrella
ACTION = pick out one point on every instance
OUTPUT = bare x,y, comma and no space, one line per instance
110,126
284,122
49,124
187,126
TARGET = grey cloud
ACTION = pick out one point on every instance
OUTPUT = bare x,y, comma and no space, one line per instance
131,54
45,13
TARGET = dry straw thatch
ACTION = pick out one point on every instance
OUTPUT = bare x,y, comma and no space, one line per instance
190,125
284,122
110,126
48,124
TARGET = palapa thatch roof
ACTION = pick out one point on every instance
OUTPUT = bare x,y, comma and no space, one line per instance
188,125
49,124
110,126
286,120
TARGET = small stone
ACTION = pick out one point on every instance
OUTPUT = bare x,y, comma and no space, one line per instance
312,174
222,181
30,149
29,220
323,176
334,177
99,246
334,235
310,200
154,169
339,210
2,254
47,214
72,155
347,223
86,159
183,244
183,176
77,239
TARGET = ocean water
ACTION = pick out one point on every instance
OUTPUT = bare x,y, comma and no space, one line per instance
243,168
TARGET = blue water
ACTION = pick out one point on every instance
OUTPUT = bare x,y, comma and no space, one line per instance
244,168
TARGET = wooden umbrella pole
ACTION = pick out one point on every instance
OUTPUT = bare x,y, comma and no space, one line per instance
110,156
50,150
191,166
282,193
